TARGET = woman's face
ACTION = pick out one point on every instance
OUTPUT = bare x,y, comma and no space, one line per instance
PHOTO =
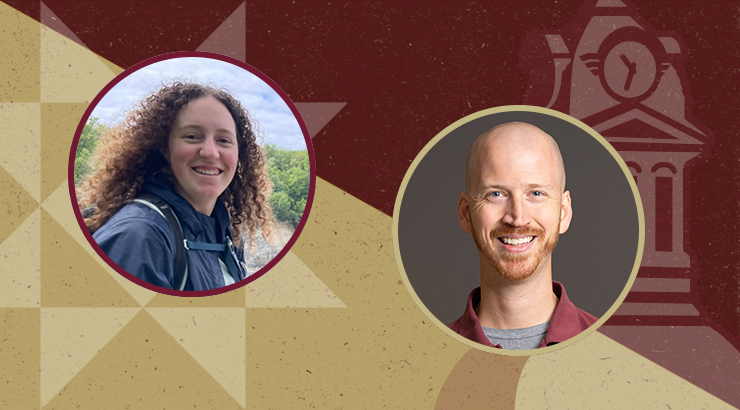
203,152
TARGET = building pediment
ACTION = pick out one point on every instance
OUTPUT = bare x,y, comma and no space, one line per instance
641,127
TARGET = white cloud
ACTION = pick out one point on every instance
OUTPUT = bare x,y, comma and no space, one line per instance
276,121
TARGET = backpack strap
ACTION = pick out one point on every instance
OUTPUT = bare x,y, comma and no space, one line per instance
181,261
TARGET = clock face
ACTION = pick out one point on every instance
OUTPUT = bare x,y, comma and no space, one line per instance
630,70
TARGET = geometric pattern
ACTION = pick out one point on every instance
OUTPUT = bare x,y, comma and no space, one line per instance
73,333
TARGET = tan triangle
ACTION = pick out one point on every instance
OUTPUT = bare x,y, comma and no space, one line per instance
143,367
229,38
291,283
16,205
215,337
59,206
349,246
20,134
19,357
605,374
234,298
317,115
69,71
70,337
20,56
58,125
70,277
21,265
111,66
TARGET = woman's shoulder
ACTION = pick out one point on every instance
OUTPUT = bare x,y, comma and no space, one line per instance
136,222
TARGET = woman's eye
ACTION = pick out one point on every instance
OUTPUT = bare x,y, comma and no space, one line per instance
225,140
189,137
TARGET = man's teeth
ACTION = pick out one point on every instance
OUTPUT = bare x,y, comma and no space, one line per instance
515,242
206,172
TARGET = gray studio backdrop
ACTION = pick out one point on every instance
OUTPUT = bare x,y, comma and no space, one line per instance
593,259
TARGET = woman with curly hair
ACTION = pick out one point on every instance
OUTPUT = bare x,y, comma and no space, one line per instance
192,149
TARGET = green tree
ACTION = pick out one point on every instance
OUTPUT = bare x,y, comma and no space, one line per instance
86,147
290,174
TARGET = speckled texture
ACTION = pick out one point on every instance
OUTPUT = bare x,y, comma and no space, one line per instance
70,277
406,71
142,367
597,373
214,338
481,380
19,358
19,40
70,337
21,265
58,125
291,283
20,126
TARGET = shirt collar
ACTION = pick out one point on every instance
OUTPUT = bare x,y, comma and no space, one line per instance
566,321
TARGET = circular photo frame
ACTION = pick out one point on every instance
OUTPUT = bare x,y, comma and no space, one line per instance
597,259
275,132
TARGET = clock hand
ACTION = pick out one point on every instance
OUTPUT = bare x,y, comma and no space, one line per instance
625,60
627,83
632,70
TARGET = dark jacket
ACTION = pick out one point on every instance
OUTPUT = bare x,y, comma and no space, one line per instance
567,320
139,240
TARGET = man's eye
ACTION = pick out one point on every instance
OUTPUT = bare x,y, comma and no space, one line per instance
496,194
538,193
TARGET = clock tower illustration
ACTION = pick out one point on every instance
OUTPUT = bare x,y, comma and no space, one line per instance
609,68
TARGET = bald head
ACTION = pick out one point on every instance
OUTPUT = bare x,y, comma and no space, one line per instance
513,137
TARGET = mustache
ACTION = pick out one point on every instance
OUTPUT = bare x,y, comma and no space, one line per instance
510,230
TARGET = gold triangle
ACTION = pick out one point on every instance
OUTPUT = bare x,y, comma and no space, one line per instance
20,270
20,70
143,367
290,283
58,125
71,337
70,277
605,372
69,71
19,357
20,134
234,298
17,205
59,206
357,236
215,337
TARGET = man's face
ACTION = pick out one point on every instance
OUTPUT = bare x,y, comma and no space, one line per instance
516,208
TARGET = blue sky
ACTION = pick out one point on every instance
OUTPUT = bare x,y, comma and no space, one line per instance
276,121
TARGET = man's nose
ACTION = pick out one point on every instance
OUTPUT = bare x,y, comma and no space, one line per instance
209,149
516,213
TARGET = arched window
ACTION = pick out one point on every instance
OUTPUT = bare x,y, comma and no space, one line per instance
663,206
635,168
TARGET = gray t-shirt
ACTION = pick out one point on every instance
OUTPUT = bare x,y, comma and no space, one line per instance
517,339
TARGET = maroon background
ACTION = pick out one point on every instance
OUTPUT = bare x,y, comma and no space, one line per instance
408,70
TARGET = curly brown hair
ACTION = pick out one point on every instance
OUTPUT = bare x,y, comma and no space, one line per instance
131,151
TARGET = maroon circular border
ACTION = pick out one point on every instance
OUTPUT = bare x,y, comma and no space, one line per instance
309,148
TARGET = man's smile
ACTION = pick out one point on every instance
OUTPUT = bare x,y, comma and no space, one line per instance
516,243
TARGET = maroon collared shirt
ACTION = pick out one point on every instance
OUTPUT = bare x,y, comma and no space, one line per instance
567,320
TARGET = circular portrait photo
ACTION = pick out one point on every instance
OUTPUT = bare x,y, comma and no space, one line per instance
518,230
193,174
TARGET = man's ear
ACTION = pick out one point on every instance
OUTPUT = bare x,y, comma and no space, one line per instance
463,213
566,212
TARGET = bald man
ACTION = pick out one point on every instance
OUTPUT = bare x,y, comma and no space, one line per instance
516,206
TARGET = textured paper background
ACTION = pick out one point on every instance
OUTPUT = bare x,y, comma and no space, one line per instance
339,330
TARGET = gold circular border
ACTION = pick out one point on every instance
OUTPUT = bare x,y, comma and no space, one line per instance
552,113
